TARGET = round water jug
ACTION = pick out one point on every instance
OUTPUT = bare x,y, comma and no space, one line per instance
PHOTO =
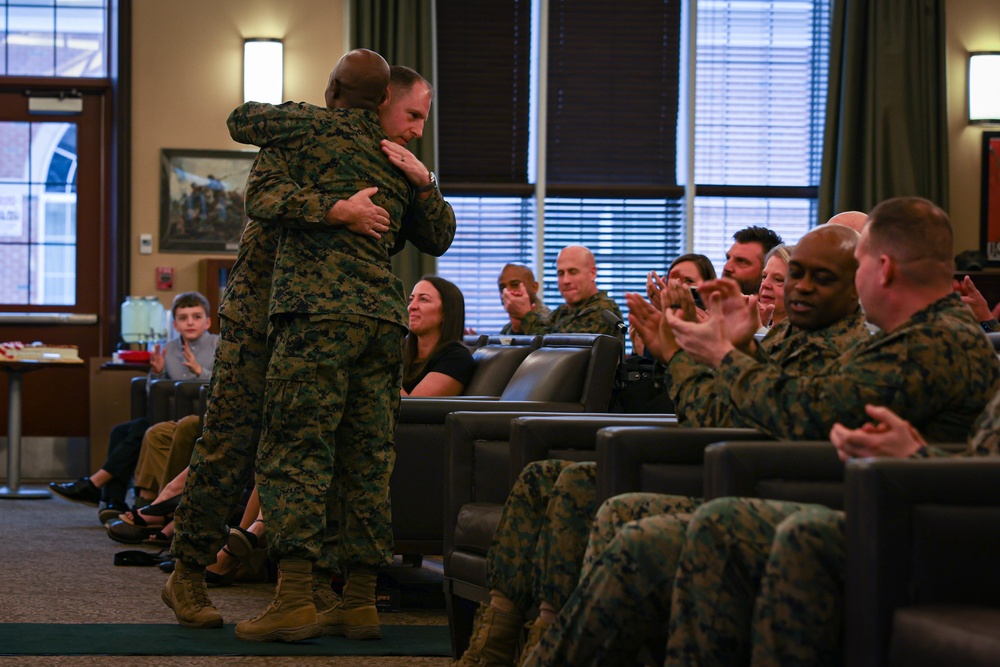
156,320
135,320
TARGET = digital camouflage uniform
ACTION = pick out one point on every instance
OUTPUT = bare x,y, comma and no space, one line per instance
224,456
785,606
584,317
937,370
540,308
694,387
338,316
943,325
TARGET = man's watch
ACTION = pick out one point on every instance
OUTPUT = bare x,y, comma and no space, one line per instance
989,326
430,186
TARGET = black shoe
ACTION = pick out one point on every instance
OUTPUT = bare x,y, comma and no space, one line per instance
127,533
110,511
80,491
162,508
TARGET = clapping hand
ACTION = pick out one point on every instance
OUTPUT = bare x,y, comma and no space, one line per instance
889,436
190,362
741,313
706,340
156,360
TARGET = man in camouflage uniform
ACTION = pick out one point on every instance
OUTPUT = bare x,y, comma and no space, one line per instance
625,595
539,545
224,456
338,318
517,279
581,313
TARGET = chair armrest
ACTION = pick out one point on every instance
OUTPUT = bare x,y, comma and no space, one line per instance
657,459
161,400
187,397
918,532
137,395
431,410
572,437
803,471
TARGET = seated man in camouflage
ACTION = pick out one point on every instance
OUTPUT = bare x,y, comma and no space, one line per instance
539,545
581,313
904,280
516,280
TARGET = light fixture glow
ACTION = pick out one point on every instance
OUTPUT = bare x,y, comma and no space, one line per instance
984,87
263,68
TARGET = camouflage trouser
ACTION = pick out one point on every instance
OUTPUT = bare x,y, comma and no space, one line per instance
326,451
623,594
772,566
223,457
539,543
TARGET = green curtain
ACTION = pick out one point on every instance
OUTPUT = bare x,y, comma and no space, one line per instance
403,32
886,119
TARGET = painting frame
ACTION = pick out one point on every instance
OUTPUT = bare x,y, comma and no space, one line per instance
201,199
989,220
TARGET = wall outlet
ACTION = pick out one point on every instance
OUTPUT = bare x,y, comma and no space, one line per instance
145,244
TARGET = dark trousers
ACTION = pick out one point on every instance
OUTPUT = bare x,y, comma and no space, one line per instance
124,446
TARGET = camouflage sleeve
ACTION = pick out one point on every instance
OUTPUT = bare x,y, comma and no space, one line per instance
692,389
985,440
533,323
265,125
919,376
272,195
429,225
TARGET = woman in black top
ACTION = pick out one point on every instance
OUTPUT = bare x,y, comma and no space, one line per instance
435,362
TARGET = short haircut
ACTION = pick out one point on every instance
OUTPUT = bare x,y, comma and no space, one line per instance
762,235
781,250
703,263
913,230
190,300
403,78
526,271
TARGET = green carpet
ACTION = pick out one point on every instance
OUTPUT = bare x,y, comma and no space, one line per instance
170,639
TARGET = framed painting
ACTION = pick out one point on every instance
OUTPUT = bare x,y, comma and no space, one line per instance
990,216
201,199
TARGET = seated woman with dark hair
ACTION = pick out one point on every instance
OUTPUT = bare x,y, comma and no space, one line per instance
435,362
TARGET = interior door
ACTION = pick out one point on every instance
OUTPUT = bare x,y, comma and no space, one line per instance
53,245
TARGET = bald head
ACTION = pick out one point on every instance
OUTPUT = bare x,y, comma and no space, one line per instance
358,81
819,285
577,273
852,219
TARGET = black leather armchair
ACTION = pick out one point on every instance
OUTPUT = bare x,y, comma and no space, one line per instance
658,459
566,373
922,582
165,399
801,471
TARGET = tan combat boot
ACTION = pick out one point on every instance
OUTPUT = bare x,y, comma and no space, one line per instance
355,617
494,638
291,616
323,595
536,629
185,592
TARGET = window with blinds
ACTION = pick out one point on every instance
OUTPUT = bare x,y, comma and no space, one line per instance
614,91
761,77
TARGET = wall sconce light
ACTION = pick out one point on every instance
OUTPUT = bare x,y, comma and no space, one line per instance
984,87
263,68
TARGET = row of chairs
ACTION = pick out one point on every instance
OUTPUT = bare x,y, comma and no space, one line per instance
922,583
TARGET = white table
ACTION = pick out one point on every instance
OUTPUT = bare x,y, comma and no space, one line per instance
16,371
